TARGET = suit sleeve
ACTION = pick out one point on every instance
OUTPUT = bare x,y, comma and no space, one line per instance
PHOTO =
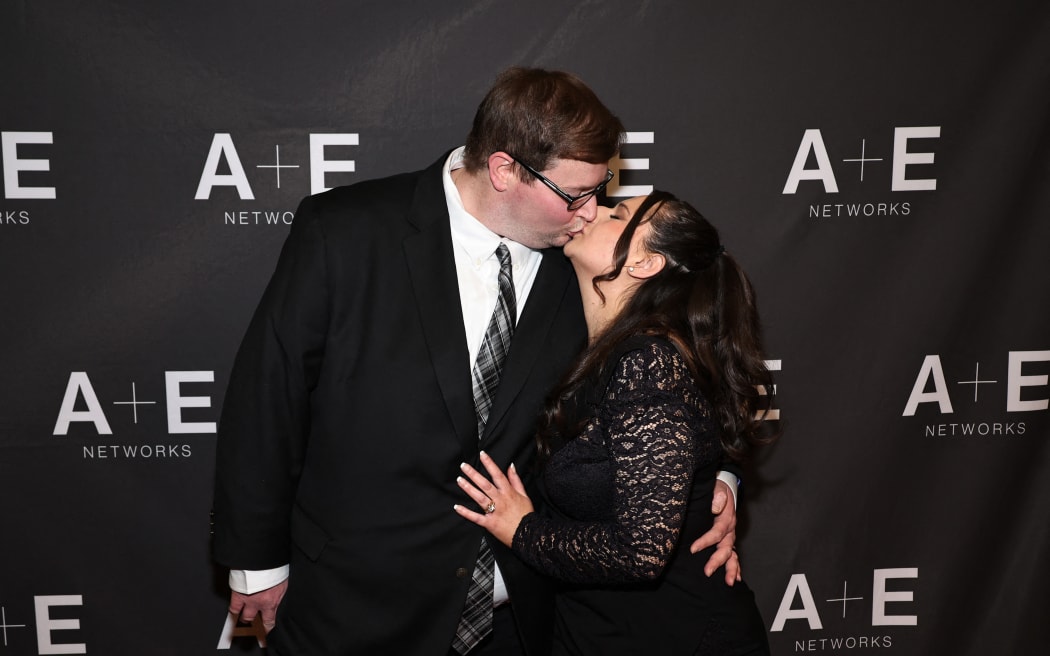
265,421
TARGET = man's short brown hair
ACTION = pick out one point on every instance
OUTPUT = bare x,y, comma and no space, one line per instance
538,116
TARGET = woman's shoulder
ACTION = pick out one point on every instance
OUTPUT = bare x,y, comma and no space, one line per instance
647,360
647,348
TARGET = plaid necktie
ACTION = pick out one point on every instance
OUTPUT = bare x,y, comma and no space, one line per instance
476,622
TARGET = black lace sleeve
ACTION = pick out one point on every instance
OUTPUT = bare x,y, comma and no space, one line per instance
648,419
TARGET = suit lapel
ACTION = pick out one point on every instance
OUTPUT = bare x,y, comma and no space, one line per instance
432,268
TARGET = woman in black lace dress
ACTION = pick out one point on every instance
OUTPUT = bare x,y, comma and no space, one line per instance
672,382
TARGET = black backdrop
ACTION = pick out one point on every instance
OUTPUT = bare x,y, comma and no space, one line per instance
880,168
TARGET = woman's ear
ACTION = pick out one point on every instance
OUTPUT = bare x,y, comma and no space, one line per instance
647,267
501,170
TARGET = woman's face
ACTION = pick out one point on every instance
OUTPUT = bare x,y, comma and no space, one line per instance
591,249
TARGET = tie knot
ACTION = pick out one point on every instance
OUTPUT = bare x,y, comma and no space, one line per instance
503,254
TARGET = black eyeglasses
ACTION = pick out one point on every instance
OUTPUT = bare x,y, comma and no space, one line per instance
574,202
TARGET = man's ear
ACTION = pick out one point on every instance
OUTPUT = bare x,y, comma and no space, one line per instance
650,265
501,170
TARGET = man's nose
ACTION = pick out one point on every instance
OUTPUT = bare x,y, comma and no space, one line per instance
589,210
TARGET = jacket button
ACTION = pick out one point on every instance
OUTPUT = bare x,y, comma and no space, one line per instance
461,572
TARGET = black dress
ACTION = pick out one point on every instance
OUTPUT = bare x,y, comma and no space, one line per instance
620,496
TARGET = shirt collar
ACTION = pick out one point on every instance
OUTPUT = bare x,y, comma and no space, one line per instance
468,232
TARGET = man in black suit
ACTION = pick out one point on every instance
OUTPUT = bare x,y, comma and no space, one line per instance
350,404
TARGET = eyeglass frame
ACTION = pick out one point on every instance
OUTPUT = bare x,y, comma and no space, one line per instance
569,200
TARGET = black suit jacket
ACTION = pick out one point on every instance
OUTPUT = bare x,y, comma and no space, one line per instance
349,410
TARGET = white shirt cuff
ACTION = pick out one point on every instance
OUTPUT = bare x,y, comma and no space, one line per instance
252,581
500,595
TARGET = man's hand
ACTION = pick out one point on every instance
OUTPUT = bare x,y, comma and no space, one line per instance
723,534
263,603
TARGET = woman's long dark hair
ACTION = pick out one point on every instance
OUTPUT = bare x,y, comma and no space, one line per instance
703,302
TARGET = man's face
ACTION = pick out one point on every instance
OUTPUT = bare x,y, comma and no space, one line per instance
542,218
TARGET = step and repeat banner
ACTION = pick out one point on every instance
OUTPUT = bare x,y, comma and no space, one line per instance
881,169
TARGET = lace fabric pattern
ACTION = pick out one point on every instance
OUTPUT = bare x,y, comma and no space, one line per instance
620,489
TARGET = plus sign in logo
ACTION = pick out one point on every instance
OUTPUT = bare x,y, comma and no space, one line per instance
956,395
277,166
816,169
845,598
4,626
863,160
